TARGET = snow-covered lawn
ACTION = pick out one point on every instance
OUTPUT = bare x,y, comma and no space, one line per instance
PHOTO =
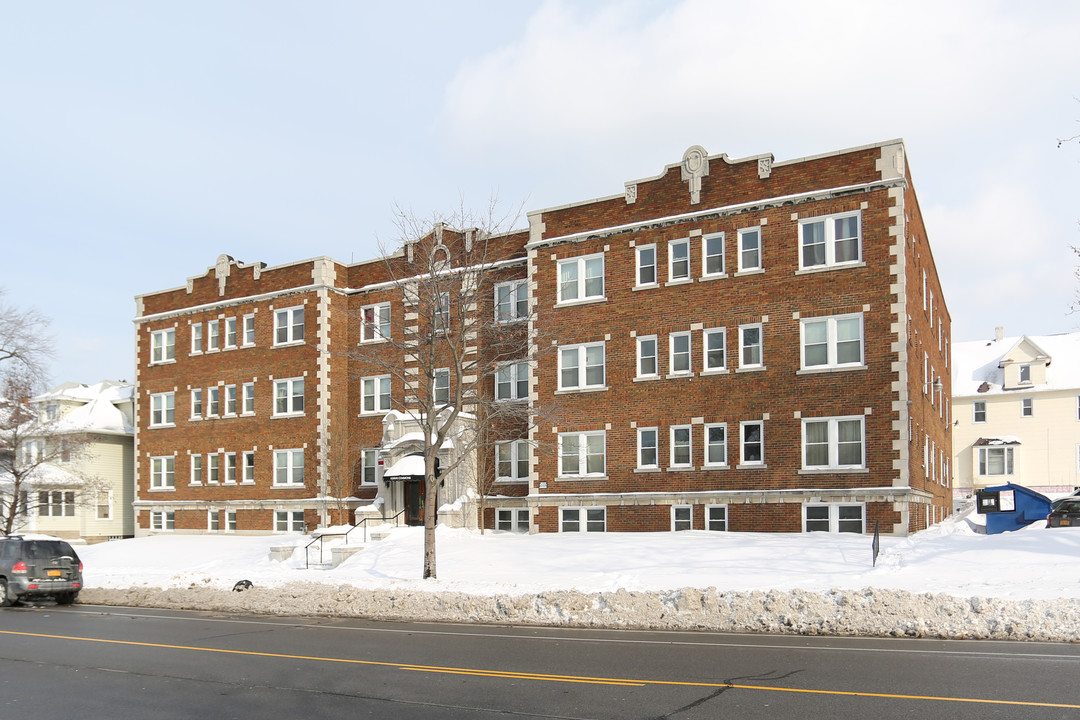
948,581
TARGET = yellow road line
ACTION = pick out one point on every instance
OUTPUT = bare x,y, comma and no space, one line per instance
553,678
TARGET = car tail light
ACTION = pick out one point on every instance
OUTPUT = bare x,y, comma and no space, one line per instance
80,566
19,567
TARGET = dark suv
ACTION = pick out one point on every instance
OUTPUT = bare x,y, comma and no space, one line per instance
33,567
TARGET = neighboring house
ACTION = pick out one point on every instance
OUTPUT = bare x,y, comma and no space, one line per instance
1016,404
737,345
82,445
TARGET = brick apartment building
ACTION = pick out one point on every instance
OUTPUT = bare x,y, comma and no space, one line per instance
742,345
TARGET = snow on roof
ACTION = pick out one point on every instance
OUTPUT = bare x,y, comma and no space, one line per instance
99,415
112,390
998,440
408,466
976,362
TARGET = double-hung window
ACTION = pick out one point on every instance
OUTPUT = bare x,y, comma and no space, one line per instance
440,386
196,470
979,411
648,456
716,445
512,381
716,518
749,249
712,255
512,461
646,265
230,332
162,519
582,454
289,325
750,346
230,468
679,344
370,473
442,313
581,366
289,396
215,402
162,409
288,521
679,260
249,329
213,461
249,466
213,340
682,517
512,519
832,342
646,357
834,443
376,394
163,472
995,460
752,445
833,517
196,403
247,395
196,338
581,278
162,346
511,301
681,456
1027,408
230,399
289,467
375,322
582,519
715,349
830,241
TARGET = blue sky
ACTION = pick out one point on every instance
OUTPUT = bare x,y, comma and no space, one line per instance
138,141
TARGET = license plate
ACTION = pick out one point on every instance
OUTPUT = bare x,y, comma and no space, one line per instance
1066,522
53,573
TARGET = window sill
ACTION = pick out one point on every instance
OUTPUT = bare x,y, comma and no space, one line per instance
646,378
212,350
572,391
581,478
290,486
833,471
511,481
716,467
284,416
650,286
162,489
161,362
752,368
754,271
374,341
647,470
194,484
290,343
372,413
586,301
829,369
714,276
195,418
160,426
248,482
751,466
680,468
248,414
679,281
676,376
193,354
248,345
718,371
829,268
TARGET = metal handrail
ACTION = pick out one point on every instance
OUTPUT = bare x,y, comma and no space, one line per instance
321,538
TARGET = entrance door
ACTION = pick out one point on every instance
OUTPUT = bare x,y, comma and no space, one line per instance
414,502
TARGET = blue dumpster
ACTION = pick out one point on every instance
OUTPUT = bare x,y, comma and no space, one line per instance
1011,507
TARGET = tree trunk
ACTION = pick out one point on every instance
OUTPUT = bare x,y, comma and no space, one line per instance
431,512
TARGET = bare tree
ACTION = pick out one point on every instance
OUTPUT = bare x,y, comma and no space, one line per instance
463,362
344,459
37,446
24,340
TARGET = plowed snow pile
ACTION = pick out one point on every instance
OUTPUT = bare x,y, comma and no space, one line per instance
949,581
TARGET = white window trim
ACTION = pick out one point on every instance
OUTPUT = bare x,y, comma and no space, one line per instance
287,314
196,338
376,381
372,333
1008,459
290,480
831,342
213,402
743,462
641,465
760,263
519,450
656,361
674,513
518,371
705,369
165,399
760,327
194,460
245,466
247,392
705,446
213,335
163,479
231,399
672,372
231,469
162,520
688,277
975,411
582,298
705,257
638,266
196,393
516,289
689,464
583,454
1027,407
290,397
727,517
829,222
248,323
231,328
583,514
514,517
159,340
582,374
290,517
439,387
834,514
834,443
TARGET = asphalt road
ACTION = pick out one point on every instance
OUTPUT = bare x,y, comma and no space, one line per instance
107,662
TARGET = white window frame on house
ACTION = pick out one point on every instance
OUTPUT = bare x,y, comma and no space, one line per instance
230,333
832,443
375,393
162,520
716,518
196,338
583,519
744,444
247,398
713,257
163,472
440,386
682,517
584,365
213,520
750,257
163,409
375,322
679,260
249,330
104,509
288,397
442,313
645,267
213,468
985,460
512,381
248,468
834,520
715,439
230,400
648,448
1027,407
1024,374
195,469
230,521
578,281
289,467
680,347
747,349
681,444
289,326
196,403
213,336
827,335
647,353
369,474
978,410
163,346
513,456
512,520
714,350
511,301
289,521
829,241
579,468
213,408
230,468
